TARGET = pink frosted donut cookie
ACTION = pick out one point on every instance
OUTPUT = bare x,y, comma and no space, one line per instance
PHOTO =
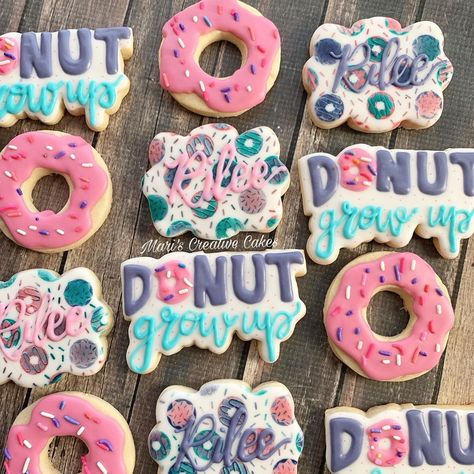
97,424
9,54
358,169
383,432
418,348
191,31
174,282
33,155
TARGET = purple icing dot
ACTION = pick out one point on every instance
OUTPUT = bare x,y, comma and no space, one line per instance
367,270
357,331
414,281
83,204
349,313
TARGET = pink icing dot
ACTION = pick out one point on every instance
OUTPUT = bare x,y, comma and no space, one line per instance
429,104
282,411
179,413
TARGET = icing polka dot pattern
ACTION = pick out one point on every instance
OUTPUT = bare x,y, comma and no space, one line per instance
29,157
78,293
96,423
189,32
419,347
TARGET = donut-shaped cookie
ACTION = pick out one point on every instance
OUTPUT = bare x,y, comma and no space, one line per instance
358,169
391,432
191,31
97,424
33,155
418,348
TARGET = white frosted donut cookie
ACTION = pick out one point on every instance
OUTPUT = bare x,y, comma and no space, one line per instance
226,427
419,347
189,33
80,70
400,439
50,325
95,422
377,75
216,182
31,156
185,299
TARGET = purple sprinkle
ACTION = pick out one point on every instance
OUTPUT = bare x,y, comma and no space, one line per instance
356,331
399,454
72,145
385,353
7,454
423,353
19,191
253,69
62,405
44,232
414,281
207,21
376,430
349,313
226,89
37,219
440,293
371,169
58,155
367,270
71,420
83,204
397,272
169,297
382,279
176,53
181,265
106,443
160,269
56,422
339,334
227,98
376,439
10,55
183,28
236,16
351,182
396,427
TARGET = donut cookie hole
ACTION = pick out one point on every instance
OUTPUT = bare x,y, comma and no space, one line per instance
57,448
50,191
231,54
382,315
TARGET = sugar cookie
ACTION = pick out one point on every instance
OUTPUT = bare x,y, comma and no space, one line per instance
94,421
80,70
33,155
372,193
186,299
377,75
400,439
226,427
216,182
191,31
52,324
419,347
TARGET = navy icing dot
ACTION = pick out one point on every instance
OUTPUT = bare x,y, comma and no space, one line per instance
329,107
327,51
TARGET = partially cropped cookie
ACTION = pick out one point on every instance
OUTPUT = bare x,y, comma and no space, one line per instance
376,75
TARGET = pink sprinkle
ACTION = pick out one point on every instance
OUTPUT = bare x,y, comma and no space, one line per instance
42,427
237,87
252,34
263,63
261,49
201,5
166,81
220,9
205,96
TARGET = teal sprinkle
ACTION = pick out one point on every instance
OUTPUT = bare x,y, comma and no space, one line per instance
228,224
98,322
272,163
6,284
158,207
249,143
374,42
427,44
78,293
178,228
46,275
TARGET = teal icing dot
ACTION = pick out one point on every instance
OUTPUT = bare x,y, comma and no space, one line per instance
427,44
78,293
376,471
377,47
178,228
272,163
228,224
98,320
272,222
249,143
206,211
158,207
8,283
46,275
206,449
